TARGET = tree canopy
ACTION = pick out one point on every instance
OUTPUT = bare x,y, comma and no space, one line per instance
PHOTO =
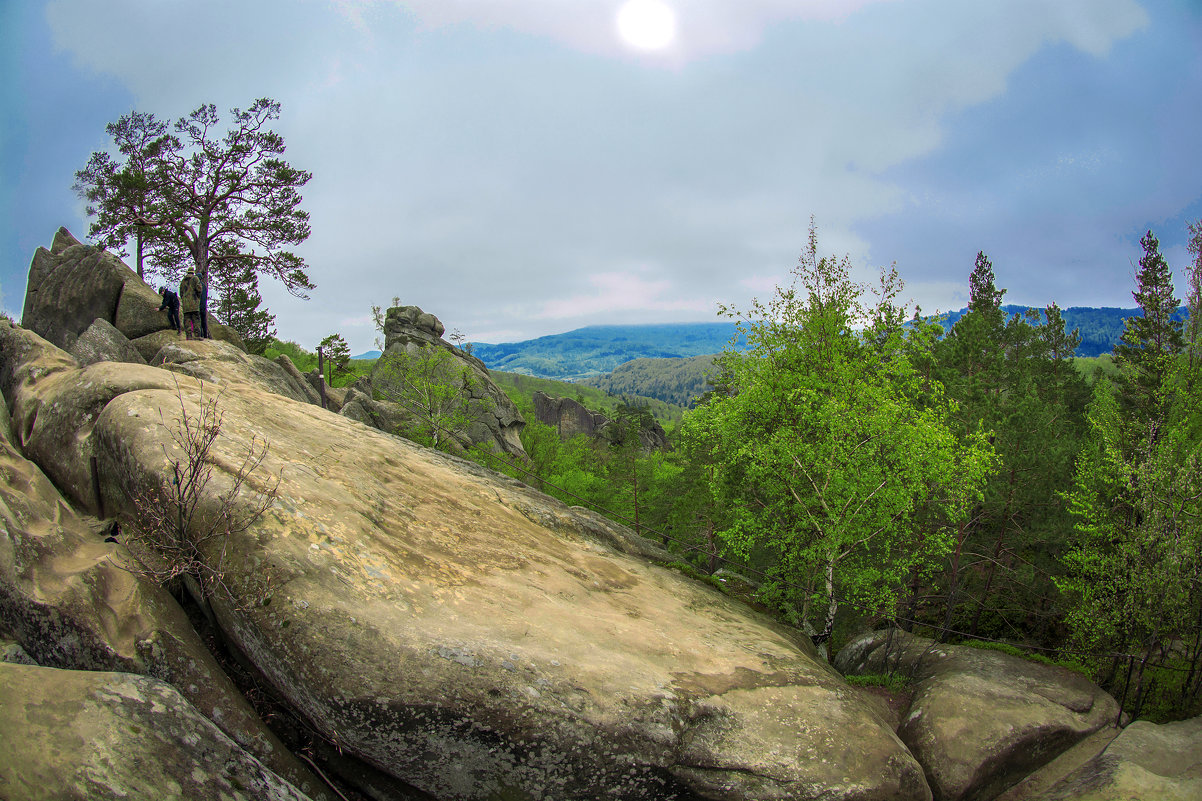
197,195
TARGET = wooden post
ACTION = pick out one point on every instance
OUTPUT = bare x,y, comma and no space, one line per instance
321,373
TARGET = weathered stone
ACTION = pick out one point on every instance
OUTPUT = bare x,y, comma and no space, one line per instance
1145,761
150,345
101,342
298,378
138,309
469,636
221,362
69,287
495,421
80,735
571,418
980,720
68,602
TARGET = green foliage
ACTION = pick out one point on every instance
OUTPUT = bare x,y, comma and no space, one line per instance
832,450
306,361
1151,339
894,682
336,357
678,381
238,304
519,386
1013,378
436,390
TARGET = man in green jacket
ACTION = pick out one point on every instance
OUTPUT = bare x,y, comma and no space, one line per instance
189,298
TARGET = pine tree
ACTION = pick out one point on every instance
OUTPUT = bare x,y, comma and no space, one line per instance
239,304
1150,341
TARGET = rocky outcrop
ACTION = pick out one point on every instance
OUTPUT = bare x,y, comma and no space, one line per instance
1145,761
570,418
72,284
101,342
77,734
981,720
220,363
67,602
460,632
494,421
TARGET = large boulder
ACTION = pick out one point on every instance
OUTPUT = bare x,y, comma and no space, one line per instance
495,421
69,286
67,734
101,342
981,720
220,362
70,599
454,629
1145,761
72,284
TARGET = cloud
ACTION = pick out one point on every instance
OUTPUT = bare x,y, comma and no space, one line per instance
623,292
475,156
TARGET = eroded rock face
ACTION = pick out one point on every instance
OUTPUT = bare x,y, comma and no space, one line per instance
1145,761
219,362
474,638
570,418
101,342
981,720
68,603
77,734
72,284
495,422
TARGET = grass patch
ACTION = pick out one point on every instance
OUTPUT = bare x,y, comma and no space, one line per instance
1014,650
894,682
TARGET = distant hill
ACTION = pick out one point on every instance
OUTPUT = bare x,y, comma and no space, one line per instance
1101,328
676,381
521,389
669,361
600,348
371,354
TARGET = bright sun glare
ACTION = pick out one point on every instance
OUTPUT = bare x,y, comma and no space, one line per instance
646,24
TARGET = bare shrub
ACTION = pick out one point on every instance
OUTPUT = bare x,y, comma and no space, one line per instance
177,536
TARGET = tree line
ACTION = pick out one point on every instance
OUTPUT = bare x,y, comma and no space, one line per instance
865,467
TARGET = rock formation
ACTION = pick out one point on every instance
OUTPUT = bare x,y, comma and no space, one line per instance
445,631
981,720
494,422
72,284
570,418
458,631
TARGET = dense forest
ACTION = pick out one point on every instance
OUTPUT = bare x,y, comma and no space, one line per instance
860,467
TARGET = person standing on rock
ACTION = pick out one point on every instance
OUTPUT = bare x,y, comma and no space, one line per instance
171,306
190,295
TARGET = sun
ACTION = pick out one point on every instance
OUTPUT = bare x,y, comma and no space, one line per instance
647,24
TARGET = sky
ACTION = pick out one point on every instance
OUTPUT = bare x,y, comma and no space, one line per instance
528,167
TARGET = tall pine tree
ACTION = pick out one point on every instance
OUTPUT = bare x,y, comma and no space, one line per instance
1150,341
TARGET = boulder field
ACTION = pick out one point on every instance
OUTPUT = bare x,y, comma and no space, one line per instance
444,631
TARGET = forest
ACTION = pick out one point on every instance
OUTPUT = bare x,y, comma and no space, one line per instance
856,466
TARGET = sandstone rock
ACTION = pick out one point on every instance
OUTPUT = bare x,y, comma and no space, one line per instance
72,284
298,378
67,603
221,362
69,287
138,309
76,734
570,418
149,346
101,342
495,422
981,720
1145,761
469,636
